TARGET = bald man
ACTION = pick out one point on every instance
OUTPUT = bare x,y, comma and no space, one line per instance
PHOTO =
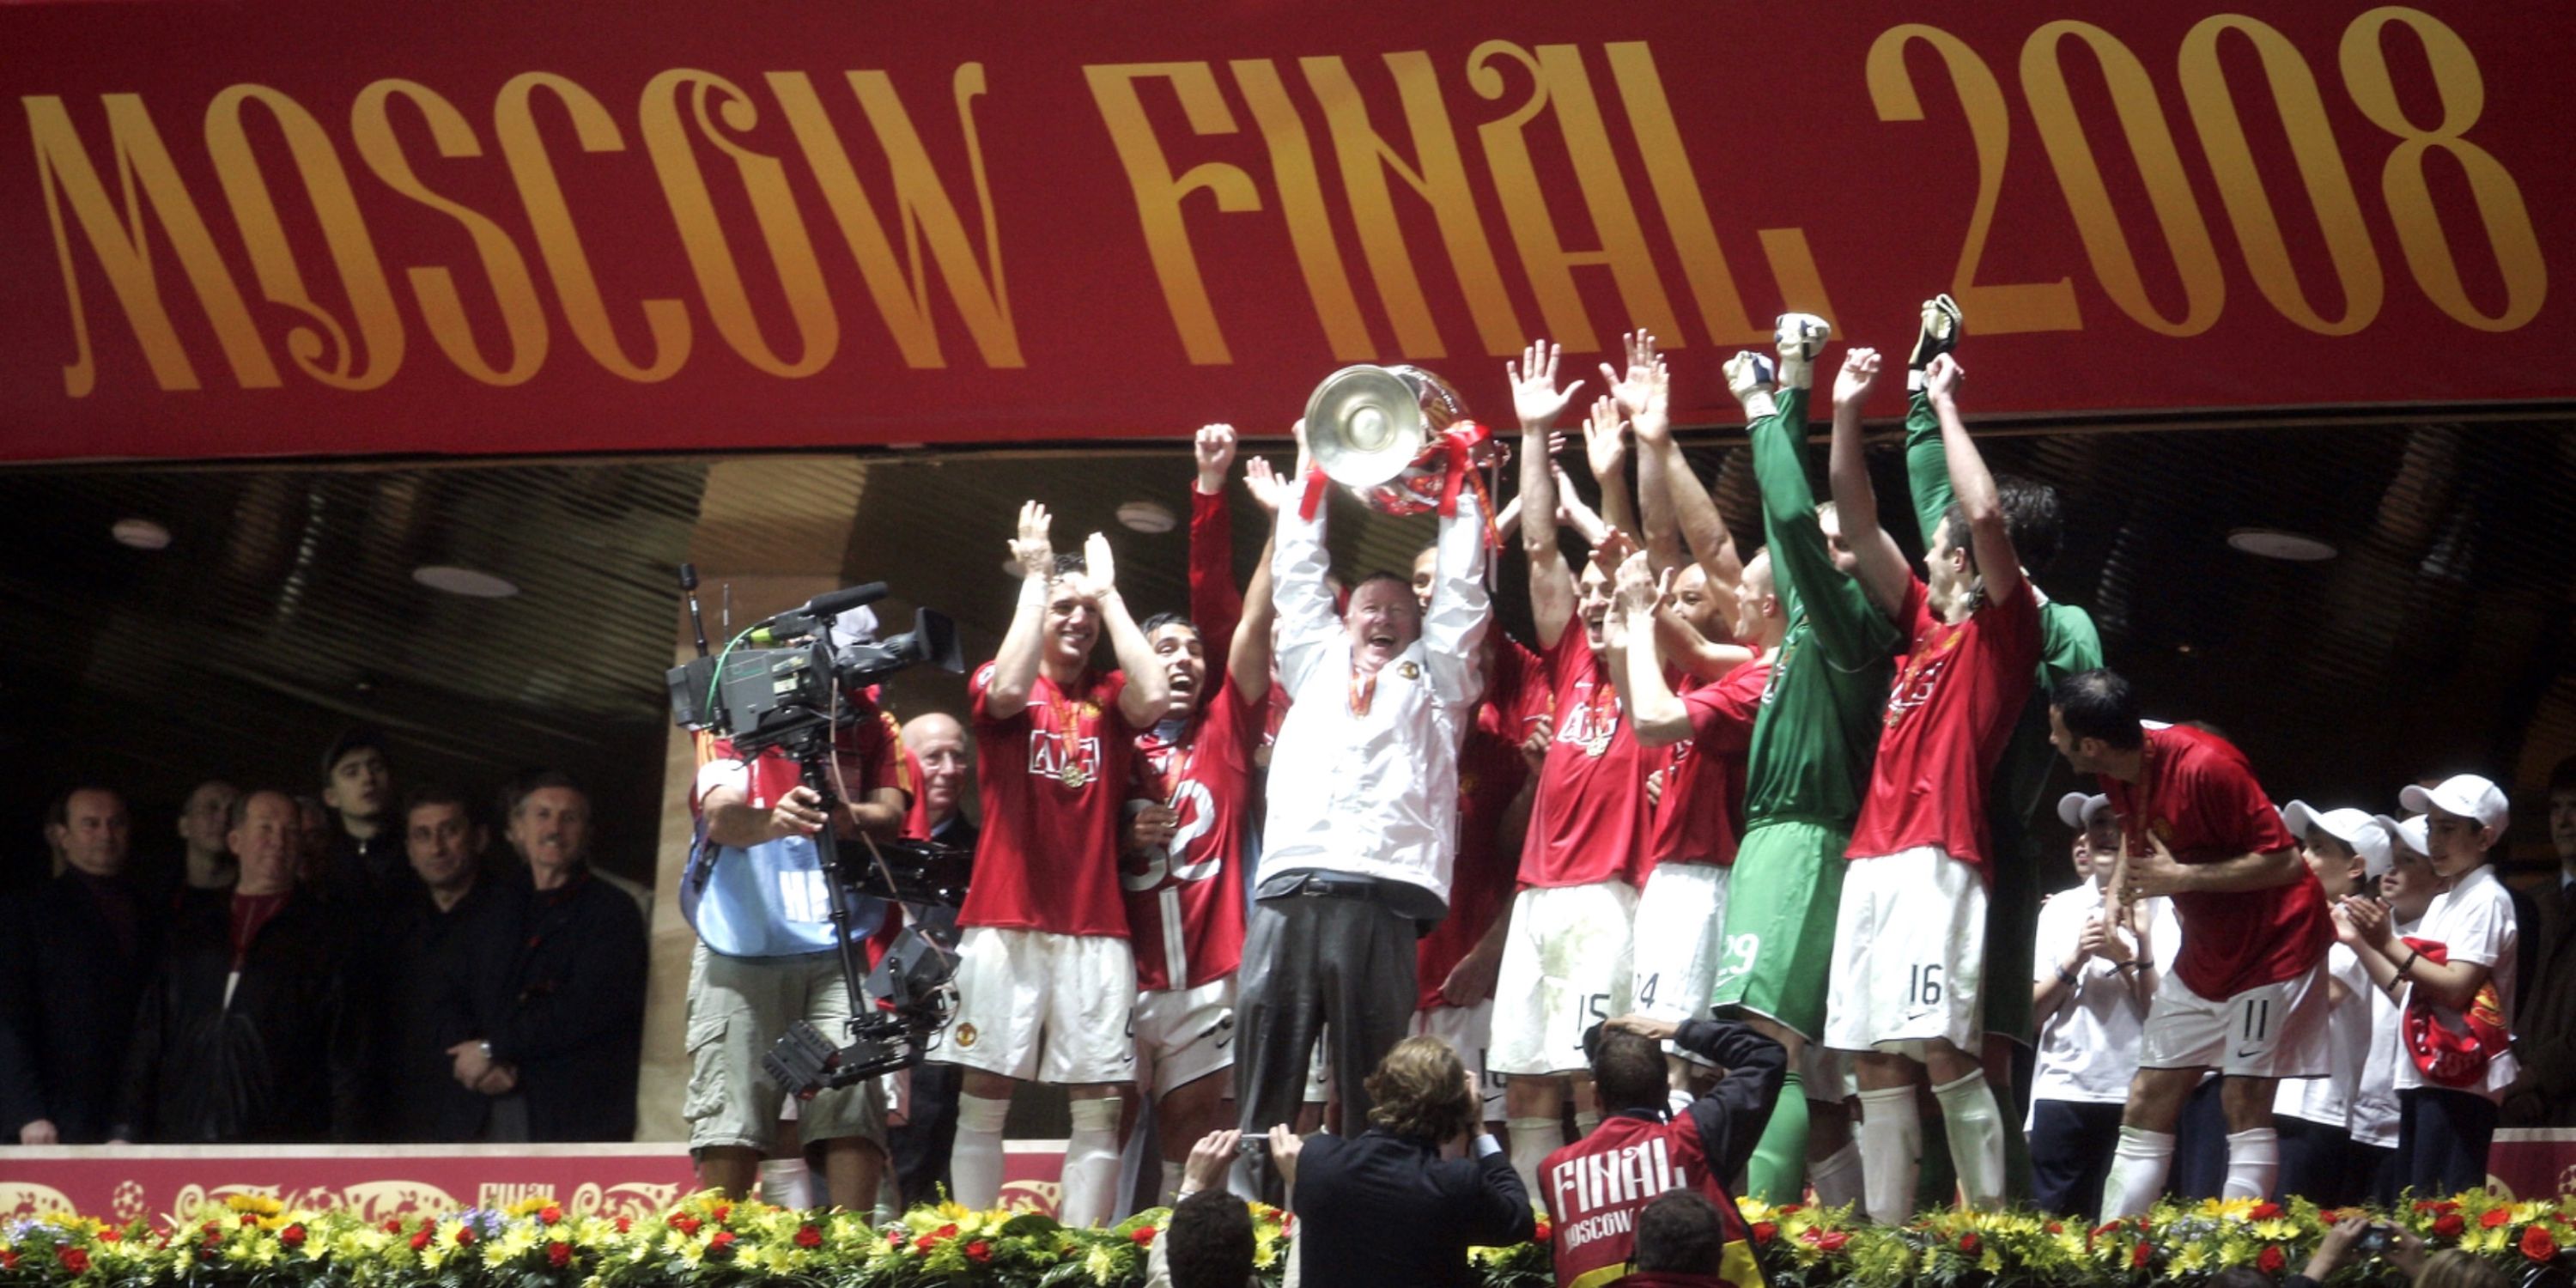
921,1126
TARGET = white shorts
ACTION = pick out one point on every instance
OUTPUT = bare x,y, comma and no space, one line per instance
1469,1031
1680,936
2275,1031
1565,968
1042,1006
1182,1035
1909,955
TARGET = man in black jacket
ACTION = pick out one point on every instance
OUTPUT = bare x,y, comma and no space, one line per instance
432,918
74,956
248,1033
553,997
1384,1207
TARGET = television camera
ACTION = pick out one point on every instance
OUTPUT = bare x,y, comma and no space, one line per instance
779,684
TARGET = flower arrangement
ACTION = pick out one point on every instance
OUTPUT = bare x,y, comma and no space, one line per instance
706,1242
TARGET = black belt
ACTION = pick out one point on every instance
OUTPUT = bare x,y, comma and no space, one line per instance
1321,885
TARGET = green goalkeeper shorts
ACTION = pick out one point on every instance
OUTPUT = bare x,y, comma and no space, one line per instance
1780,910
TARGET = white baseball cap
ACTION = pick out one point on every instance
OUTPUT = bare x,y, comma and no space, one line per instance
2466,795
2411,833
2078,810
2357,828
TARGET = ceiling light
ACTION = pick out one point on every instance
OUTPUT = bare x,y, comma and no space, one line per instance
141,534
1147,516
2273,543
464,581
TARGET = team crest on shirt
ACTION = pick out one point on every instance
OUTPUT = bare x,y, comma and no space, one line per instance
1075,767
1410,670
965,1035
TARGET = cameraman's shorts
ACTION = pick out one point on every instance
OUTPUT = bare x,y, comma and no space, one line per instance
738,1009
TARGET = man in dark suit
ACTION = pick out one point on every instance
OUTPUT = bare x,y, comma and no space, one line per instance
1383,1207
554,998
74,956
2545,1010
918,1141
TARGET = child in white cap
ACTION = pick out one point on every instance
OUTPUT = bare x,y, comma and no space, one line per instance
2346,849
2407,888
2455,1055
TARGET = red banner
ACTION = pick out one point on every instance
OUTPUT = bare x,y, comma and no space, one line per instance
123,1183
259,228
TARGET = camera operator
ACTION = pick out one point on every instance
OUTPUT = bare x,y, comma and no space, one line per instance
738,1006
1045,978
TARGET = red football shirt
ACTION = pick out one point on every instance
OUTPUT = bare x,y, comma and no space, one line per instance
1701,815
1595,1187
1051,779
2197,793
1491,773
1589,822
1955,701
1185,901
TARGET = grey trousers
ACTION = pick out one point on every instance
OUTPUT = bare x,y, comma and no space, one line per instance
1313,963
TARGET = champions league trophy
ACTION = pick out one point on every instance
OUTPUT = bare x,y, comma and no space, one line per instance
1397,436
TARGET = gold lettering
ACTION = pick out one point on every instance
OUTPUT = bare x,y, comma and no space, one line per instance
115,235
764,180
1439,177
371,126
344,231
559,243
902,293
1159,194
1677,194
1557,80
1301,200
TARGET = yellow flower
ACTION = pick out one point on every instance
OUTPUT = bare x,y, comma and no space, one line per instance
260,1203
532,1205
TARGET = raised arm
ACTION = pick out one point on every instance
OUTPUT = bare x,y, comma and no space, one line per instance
1979,502
1655,713
1308,626
1644,393
1882,567
1927,468
1215,604
1015,664
1247,658
1148,691
1605,449
1538,402
1454,626
1850,631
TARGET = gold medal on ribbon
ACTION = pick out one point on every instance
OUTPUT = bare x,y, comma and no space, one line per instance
1073,775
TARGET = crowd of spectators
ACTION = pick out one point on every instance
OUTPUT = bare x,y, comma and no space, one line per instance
355,963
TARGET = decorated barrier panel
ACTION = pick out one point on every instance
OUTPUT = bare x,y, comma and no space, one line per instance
482,226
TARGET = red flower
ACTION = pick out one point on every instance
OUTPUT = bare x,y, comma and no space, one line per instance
1969,1243
8,1259
2328,1216
420,1238
2264,1211
1786,1208
2104,1230
2057,1227
2425,1205
558,1254
924,1243
464,1236
292,1236
250,1218
685,1224
1766,1231
1143,1235
393,1225
895,1237
808,1237
2449,1225
1832,1241
719,1243
75,1260
2271,1260
2495,1217
625,1223
722,1210
2536,1243
2446,1205
979,1252
550,1215
2139,1257
110,1235
1545,1230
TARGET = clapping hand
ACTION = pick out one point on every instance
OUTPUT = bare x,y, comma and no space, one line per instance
1605,442
1100,567
1032,548
1644,392
1269,491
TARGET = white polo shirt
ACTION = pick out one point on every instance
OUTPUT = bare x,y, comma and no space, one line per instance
2474,922
2088,1046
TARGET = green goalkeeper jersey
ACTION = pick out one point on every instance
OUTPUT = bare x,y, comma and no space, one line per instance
1818,727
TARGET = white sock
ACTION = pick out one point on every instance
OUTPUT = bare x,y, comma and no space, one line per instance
787,1183
1533,1139
1584,1121
1976,1130
1891,1140
1171,1184
2253,1163
2138,1166
975,1162
1090,1164
1837,1177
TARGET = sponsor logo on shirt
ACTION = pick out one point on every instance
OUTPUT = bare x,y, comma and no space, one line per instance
1922,674
1048,759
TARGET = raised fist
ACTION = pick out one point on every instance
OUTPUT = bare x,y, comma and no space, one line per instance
1749,378
1942,326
